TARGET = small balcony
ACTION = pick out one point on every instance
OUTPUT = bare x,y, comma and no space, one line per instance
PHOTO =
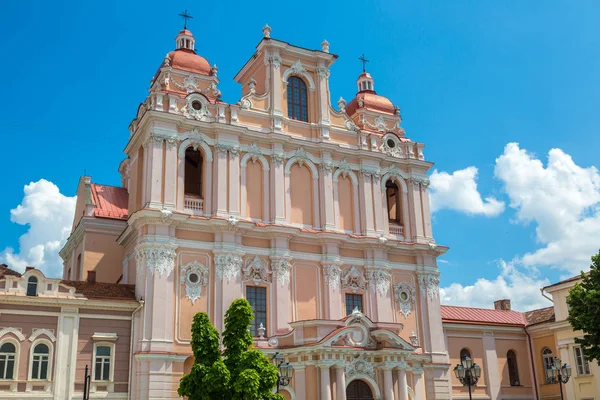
396,229
193,204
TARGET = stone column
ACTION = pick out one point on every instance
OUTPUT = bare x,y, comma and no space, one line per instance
414,200
171,167
155,173
325,382
234,182
333,292
388,384
323,96
366,204
281,267
340,383
419,388
221,182
402,383
300,382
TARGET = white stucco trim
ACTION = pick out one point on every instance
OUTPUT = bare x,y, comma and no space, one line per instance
50,360
14,331
39,332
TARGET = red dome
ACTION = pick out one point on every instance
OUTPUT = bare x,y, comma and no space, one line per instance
188,60
185,32
371,101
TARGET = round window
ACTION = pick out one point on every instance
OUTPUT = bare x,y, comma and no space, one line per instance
193,277
404,296
196,105
391,144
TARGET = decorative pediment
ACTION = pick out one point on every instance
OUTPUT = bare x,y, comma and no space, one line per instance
354,280
298,69
256,271
390,339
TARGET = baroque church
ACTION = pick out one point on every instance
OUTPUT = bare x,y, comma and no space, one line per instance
318,214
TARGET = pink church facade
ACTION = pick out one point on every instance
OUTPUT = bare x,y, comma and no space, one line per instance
317,214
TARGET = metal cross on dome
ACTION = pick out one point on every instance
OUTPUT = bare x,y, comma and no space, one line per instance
364,61
185,17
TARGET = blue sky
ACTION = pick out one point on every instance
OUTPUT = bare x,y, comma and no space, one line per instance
469,76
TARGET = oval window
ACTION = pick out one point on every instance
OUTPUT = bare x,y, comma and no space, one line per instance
196,105
391,144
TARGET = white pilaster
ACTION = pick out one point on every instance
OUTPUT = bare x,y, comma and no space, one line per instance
328,192
155,172
332,289
568,388
490,361
66,353
281,289
221,182
234,182
171,167
402,384
278,194
426,209
300,382
388,384
419,387
378,204
366,206
325,382
414,200
340,383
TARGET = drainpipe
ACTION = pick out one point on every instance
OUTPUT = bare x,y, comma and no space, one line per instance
546,296
131,360
532,362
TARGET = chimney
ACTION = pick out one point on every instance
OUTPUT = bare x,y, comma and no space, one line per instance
29,268
91,277
503,305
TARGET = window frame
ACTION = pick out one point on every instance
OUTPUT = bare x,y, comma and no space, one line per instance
354,295
547,360
111,370
17,353
200,170
255,323
36,283
584,367
515,373
50,360
302,107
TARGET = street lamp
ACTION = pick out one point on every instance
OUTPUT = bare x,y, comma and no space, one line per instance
558,374
285,370
468,373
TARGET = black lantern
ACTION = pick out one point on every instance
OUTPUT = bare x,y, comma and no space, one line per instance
558,374
468,373
285,370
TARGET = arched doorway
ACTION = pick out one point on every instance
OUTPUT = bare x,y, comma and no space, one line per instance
358,390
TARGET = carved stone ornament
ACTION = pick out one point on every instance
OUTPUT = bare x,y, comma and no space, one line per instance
159,258
322,72
254,152
281,270
379,124
256,271
359,365
245,104
327,167
394,150
332,274
350,125
252,85
429,285
354,280
278,159
405,295
325,46
380,279
194,276
301,156
342,104
266,31
344,168
297,68
167,61
228,266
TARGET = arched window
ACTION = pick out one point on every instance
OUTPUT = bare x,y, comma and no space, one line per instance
464,353
513,371
297,99
547,359
8,352
193,173
394,202
40,362
32,286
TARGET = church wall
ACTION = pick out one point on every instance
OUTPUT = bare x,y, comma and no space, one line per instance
475,347
80,203
301,196
195,235
540,342
409,322
346,206
103,255
312,386
254,191
354,253
520,347
344,138
306,293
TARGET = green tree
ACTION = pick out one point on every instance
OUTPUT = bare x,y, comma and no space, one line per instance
584,310
240,373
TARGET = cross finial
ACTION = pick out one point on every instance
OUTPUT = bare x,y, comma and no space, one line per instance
364,61
185,17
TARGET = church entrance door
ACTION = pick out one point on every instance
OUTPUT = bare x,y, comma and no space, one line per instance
358,390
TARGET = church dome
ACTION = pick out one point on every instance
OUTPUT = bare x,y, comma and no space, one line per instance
367,97
185,58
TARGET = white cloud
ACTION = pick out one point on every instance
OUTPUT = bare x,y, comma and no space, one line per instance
562,199
523,289
458,191
49,215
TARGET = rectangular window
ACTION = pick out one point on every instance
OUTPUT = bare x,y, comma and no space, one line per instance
353,301
583,368
102,363
257,297
7,366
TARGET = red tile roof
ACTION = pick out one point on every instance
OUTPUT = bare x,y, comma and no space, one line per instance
5,271
371,101
109,201
482,316
102,290
542,315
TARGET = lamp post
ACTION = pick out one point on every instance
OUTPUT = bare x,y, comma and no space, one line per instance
468,373
558,374
285,370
